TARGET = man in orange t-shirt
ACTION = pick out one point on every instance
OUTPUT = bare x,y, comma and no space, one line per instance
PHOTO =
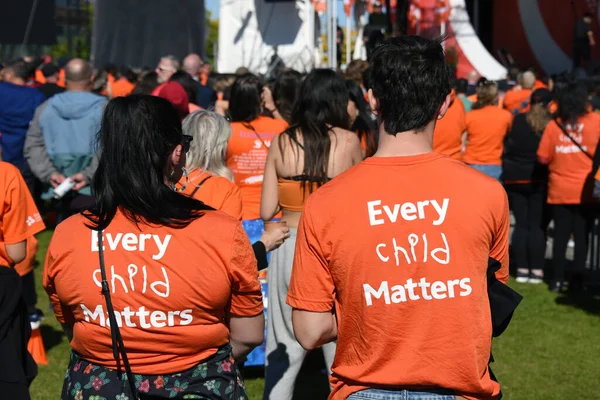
516,100
397,272
246,157
448,134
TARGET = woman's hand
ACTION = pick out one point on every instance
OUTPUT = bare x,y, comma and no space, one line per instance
275,238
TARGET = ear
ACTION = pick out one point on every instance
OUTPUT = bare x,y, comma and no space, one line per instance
176,156
373,102
444,107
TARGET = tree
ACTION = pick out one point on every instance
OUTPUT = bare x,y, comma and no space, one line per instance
212,37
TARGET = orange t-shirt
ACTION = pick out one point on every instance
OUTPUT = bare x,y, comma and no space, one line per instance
568,167
171,288
447,137
517,101
121,88
539,85
406,278
486,129
247,155
19,217
39,76
216,191
61,78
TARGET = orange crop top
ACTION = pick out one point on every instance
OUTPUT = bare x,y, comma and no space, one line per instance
292,195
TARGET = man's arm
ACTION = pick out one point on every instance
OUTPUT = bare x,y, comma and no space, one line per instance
590,35
314,329
35,150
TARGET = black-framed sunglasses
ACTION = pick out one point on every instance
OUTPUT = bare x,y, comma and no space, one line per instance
185,143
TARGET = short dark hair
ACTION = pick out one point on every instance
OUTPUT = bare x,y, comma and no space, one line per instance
244,100
19,68
410,79
587,14
137,136
461,86
188,83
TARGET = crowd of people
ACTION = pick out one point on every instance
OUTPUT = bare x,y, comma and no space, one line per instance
378,198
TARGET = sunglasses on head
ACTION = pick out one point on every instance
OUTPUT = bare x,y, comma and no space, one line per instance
185,143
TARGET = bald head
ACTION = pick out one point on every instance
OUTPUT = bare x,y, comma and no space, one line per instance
472,77
78,71
528,80
192,64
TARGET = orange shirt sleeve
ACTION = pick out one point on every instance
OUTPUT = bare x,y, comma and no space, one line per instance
246,294
20,218
499,249
311,286
232,203
545,147
63,313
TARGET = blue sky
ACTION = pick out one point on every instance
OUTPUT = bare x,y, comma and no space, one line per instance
213,6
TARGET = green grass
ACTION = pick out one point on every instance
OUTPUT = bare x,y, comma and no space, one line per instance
551,350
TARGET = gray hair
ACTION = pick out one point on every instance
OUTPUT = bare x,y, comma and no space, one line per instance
211,132
174,61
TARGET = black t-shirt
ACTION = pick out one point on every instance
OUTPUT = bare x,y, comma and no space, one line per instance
581,33
50,89
519,160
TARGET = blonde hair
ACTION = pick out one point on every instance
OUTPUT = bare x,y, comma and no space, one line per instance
538,117
211,132
487,95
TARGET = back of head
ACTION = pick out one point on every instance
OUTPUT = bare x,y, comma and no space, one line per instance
322,103
17,70
137,137
128,74
355,70
242,71
487,94
285,92
148,81
78,73
410,80
192,64
245,100
538,116
188,83
528,80
572,102
211,132
461,86
356,95
513,73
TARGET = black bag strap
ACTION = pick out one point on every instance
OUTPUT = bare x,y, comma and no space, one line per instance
562,128
198,186
117,340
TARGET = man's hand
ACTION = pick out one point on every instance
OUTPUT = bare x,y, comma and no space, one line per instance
79,181
56,179
275,238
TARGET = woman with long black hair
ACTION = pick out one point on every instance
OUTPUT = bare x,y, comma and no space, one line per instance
175,280
568,146
360,119
316,148
251,136
525,180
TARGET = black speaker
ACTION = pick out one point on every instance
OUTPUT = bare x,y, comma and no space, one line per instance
14,18
138,33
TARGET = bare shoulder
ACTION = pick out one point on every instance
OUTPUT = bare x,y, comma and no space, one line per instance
345,135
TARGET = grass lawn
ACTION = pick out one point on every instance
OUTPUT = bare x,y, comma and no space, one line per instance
550,351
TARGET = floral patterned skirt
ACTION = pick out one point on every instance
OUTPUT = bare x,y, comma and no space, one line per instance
217,378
